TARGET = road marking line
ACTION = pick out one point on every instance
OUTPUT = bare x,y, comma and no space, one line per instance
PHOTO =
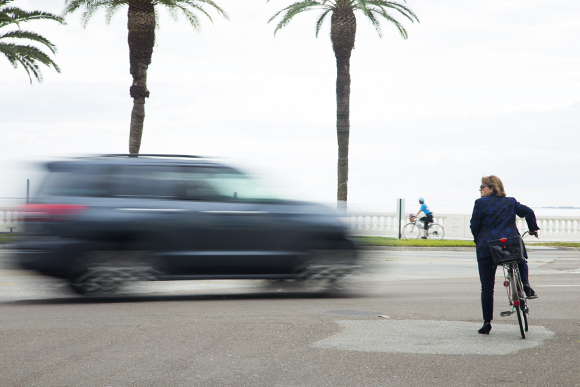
555,285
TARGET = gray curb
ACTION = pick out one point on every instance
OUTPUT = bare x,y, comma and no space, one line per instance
413,248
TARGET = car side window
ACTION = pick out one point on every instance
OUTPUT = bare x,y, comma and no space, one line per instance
146,181
194,184
221,184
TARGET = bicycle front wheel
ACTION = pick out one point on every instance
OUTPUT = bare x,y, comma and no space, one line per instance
436,231
411,231
514,283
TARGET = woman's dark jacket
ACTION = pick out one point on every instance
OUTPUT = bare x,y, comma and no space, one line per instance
494,217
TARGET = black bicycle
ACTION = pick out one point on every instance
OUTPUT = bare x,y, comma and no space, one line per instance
508,253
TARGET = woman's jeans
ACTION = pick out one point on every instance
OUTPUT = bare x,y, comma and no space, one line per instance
487,278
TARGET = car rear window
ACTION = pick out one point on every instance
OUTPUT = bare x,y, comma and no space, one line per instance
76,182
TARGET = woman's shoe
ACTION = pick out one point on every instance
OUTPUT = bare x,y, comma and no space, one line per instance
485,328
530,292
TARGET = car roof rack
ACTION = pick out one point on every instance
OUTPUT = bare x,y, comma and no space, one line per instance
150,155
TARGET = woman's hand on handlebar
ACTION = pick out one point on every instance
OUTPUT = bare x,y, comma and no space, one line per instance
534,233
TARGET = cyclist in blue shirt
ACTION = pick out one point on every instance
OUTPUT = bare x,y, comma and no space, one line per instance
428,218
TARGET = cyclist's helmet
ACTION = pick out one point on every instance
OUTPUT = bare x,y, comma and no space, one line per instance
422,200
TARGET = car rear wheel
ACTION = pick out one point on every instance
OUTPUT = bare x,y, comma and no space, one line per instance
105,272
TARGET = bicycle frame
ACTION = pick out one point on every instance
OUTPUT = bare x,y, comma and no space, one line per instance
513,285
419,223
508,253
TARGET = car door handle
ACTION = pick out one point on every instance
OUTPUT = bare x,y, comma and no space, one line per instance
152,209
235,212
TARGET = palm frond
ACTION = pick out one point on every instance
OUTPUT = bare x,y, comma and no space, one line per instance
28,57
379,7
362,5
19,34
402,30
13,15
174,7
295,9
172,13
402,9
321,19
111,11
28,51
375,21
190,16
195,4
91,7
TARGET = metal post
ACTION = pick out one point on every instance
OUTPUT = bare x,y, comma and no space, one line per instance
400,210
27,190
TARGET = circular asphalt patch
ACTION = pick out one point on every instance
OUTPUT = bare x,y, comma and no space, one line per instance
431,337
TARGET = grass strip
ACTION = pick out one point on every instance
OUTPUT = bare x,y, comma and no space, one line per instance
383,241
559,244
7,238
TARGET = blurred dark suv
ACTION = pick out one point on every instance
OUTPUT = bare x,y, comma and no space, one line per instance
99,222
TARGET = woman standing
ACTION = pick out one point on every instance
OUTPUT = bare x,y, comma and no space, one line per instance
494,217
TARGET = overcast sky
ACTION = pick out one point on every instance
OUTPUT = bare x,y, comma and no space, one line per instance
479,88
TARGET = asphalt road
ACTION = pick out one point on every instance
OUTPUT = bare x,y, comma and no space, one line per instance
410,318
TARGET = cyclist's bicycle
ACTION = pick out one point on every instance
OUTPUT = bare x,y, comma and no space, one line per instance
508,253
414,230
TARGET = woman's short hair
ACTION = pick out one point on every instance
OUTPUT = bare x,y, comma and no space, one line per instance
495,183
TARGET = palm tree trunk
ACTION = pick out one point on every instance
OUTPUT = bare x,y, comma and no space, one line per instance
141,26
342,34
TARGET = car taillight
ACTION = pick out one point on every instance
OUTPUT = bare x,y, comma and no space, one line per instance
50,212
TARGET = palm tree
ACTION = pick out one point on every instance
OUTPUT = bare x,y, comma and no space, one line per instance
342,35
30,57
142,18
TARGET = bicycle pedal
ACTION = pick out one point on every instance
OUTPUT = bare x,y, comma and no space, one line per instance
506,313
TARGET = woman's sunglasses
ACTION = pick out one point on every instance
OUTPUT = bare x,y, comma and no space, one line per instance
483,185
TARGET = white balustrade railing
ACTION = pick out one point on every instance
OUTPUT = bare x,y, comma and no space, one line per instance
552,228
9,220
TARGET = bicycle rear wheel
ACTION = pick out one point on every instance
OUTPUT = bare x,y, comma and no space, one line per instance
411,231
520,321
522,297
514,282
436,231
